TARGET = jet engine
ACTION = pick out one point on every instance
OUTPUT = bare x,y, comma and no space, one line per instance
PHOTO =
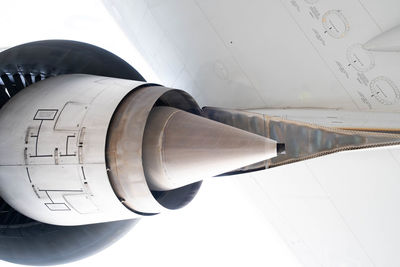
88,147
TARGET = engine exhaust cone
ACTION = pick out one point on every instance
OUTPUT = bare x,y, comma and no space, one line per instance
180,148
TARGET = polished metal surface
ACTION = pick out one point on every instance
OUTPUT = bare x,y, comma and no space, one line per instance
124,150
181,148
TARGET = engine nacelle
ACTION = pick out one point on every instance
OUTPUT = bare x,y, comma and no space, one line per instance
54,165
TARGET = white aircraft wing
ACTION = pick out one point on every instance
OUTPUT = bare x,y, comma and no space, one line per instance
302,60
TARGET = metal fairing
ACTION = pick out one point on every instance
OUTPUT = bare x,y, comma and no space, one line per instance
303,140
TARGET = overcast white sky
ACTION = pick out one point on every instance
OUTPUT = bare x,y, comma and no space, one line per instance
219,228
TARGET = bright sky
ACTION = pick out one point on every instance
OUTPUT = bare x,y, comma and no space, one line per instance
221,227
